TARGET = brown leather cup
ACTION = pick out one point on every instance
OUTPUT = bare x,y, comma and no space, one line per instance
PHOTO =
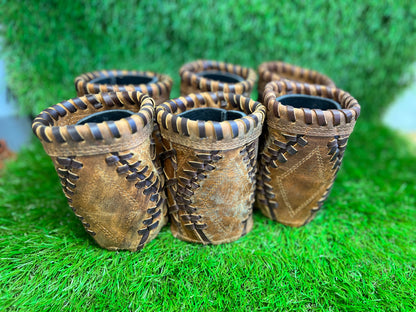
307,131
277,70
210,164
214,76
156,85
101,147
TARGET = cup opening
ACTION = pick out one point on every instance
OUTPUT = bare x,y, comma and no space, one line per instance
211,114
221,76
308,101
125,80
110,115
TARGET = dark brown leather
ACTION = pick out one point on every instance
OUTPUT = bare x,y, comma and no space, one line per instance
191,82
277,70
302,152
210,167
107,170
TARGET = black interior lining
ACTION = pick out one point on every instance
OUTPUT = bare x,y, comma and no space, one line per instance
125,80
308,101
113,115
221,76
211,114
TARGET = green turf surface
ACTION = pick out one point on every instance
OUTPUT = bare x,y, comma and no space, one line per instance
359,254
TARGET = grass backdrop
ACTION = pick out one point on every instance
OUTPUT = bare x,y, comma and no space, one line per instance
365,46
358,254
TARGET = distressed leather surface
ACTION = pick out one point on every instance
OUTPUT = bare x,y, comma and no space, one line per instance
302,152
107,170
297,174
219,207
210,177
120,213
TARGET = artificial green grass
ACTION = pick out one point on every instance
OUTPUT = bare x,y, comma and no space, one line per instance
359,254
366,47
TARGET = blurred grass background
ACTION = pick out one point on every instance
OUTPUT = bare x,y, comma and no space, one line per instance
359,254
365,46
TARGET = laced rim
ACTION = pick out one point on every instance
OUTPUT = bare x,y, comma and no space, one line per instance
188,75
84,85
350,108
45,125
168,119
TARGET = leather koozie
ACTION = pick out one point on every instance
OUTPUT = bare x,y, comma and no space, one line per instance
277,70
304,144
214,76
107,168
210,167
156,85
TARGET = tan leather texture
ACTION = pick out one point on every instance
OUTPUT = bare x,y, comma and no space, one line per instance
277,70
192,83
211,171
302,151
107,170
